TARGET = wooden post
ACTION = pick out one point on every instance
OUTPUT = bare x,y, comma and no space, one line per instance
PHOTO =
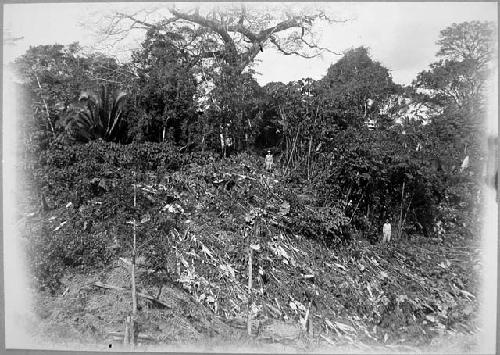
249,324
131,329
250,278
126,335
134,294
310,327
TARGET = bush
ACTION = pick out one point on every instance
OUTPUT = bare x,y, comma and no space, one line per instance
52,253
328,224
67,171
98,179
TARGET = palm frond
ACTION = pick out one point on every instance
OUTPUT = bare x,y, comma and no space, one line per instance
117,109
97,116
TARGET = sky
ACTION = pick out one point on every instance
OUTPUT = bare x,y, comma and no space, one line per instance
400,35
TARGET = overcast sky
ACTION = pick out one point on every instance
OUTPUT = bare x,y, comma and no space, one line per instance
401,36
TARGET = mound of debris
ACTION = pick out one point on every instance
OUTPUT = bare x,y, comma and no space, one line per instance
202,228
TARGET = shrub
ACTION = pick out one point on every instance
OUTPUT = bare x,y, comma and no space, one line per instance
51,253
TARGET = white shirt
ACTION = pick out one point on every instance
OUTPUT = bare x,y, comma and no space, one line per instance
387,228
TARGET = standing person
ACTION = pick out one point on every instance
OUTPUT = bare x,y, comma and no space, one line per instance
387,231
269,161
229,145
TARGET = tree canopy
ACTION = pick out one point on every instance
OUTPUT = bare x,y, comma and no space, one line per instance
466,50
468,41
234,35
358,86
191,84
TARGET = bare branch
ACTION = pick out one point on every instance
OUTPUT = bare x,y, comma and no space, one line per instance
291,52
235,36
212,24
315,46
136,21
243,14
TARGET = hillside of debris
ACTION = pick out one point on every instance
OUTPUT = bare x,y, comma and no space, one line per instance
198,218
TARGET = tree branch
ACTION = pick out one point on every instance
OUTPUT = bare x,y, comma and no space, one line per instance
136,21
315,46
212,24
291,52
235,37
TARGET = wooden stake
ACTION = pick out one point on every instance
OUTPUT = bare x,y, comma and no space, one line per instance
126,336
310,327
131,329
134,294
307,318
249,324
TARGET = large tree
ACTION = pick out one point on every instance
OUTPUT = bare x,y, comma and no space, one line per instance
164,86
356,88
458,78
234,34
456,85
468,41
222,43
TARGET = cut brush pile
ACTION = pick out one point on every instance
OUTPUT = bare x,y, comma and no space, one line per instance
196,223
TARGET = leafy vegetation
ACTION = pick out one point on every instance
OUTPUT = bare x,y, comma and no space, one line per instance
188,131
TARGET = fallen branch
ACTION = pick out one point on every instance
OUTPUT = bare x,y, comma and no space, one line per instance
276,312
329,341
245,177
143,295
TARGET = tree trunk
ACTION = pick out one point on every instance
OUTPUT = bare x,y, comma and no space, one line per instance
400,228
293,147
46,107
134,294
406,214
309,159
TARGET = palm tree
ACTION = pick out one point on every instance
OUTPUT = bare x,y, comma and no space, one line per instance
97,116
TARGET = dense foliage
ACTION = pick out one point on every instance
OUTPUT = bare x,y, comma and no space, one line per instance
343,140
